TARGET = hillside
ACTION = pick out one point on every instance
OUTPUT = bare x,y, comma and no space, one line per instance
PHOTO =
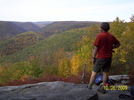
19,42
28,26
49,45
9,30
43,23
61,26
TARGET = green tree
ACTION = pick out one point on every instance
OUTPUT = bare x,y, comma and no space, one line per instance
117,27
122,59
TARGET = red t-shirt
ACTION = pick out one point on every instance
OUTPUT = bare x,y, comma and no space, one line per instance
105,41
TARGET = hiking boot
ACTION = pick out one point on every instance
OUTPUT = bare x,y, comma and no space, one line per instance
101,89
89,86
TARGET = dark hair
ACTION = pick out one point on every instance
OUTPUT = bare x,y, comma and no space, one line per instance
105,26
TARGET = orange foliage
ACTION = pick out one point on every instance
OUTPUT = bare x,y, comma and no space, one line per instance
48,78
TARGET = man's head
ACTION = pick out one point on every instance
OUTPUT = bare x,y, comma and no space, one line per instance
105,26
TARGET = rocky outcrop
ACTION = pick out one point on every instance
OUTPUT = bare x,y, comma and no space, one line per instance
61,91
48,91
119,77
124,79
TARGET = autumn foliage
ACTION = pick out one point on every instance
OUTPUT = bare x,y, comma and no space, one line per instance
66,63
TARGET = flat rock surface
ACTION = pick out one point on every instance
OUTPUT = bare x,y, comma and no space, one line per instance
46,91
57,91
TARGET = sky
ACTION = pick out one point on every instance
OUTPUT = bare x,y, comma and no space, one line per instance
66,10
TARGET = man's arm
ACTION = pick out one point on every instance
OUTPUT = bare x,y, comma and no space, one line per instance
116,46
95,51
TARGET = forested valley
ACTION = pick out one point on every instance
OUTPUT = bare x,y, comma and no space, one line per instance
59,50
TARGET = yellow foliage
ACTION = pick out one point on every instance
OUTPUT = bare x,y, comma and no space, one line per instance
16,74
1,69
24,77
122,60
64,67
76,63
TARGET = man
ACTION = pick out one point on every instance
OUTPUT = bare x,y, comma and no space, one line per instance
103,48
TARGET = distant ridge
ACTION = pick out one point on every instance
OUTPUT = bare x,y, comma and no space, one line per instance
28,26
9,30
43,23
61,26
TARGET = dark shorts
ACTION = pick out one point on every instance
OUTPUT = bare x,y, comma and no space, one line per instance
102,64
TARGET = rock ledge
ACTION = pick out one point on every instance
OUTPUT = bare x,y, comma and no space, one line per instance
48,91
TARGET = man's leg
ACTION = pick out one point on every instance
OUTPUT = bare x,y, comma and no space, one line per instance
105,77
106,69
92,79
